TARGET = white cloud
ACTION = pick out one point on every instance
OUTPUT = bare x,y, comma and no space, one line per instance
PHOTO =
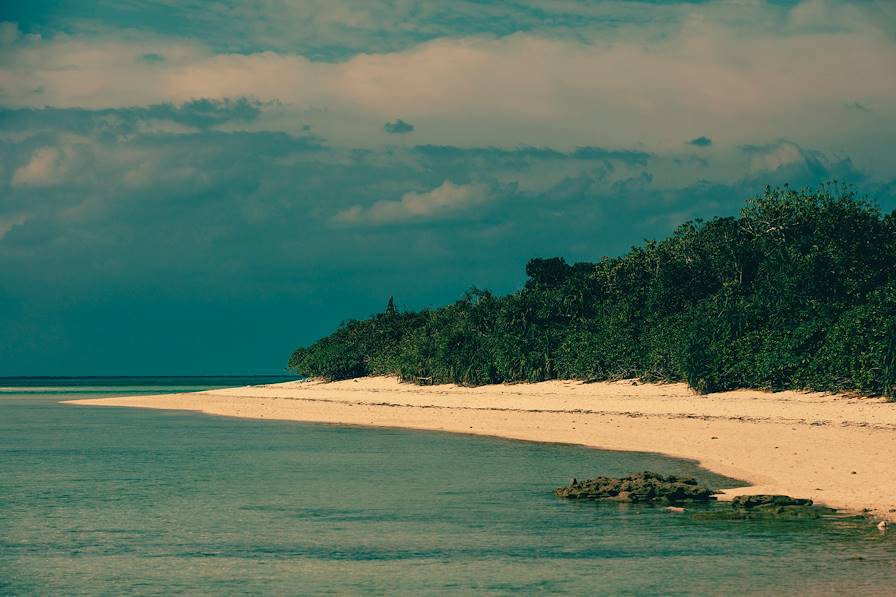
442,201
778,155
738,73
43,169
7,223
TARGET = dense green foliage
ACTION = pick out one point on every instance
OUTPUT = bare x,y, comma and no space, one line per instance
797,292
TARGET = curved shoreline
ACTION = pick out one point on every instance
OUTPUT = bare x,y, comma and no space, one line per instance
837,450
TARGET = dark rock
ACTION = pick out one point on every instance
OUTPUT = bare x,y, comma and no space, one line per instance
766,507
757,501
643,487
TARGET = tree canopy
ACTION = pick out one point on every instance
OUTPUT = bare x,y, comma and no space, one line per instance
798,292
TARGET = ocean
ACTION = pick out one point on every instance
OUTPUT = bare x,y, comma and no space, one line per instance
117,501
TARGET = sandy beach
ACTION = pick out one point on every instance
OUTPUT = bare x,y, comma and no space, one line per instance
838,450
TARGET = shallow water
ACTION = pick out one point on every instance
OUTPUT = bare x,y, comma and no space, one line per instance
115,501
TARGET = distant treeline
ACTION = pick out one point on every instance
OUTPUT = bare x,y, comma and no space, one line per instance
798,292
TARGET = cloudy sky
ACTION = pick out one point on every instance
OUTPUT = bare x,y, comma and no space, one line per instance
191,187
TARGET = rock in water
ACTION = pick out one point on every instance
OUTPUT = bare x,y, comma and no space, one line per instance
768,501
766,507
641,487
671,491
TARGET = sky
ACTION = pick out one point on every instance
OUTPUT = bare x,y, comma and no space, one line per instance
200,187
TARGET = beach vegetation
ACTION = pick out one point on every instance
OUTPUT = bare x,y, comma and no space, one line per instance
797,292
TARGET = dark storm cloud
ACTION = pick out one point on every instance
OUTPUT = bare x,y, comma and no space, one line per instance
323,31
787,162
199,113
398,127
230,234
638,158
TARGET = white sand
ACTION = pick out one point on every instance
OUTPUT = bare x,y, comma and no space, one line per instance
837,450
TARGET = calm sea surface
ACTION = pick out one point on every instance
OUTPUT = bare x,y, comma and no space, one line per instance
114,501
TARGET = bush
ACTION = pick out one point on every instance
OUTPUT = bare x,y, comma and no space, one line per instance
799,291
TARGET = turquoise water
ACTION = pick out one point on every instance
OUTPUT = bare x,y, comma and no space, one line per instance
113,501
